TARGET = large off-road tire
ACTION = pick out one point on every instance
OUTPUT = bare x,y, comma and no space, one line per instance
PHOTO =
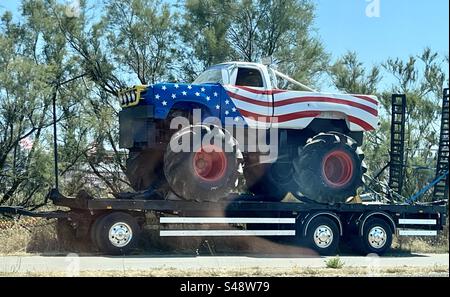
207,172
144,168
276,181
329,168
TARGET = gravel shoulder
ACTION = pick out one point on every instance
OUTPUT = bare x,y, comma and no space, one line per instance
144,265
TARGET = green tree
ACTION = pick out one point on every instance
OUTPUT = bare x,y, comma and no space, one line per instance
132,41
349,75
95,104
142,38
28,72
422,78
248,30
204,34
287,34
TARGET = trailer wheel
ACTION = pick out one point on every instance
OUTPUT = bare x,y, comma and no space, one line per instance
117,233
323,236
206,171
329,168
94,229
377,236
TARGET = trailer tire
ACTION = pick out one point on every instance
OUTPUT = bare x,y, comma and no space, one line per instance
329,168
323,236
117,233
376,238
203,172
94,230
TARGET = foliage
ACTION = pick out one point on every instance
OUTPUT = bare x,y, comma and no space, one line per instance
249,30
81,58
28,78
422,78
334,263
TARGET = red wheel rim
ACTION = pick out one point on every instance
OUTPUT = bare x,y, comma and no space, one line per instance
337,169
210,163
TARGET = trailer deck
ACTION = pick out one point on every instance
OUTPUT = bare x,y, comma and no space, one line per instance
242,215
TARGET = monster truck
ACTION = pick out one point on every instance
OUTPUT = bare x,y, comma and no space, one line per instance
319,136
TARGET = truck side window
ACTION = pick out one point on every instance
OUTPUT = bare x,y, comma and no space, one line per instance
249,77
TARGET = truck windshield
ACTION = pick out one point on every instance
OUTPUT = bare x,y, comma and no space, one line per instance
212,75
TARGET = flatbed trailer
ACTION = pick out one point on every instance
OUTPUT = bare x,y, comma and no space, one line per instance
113,225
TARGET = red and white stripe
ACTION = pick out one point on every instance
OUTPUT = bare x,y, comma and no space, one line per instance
296,109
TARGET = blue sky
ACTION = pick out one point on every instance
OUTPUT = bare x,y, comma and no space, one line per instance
404,27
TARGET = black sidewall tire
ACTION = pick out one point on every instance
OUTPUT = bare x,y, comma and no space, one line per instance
93,231
102,233
313,225
180,175
309,175
272,187
144,168
366,248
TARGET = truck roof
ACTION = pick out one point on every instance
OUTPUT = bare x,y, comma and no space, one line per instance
240,63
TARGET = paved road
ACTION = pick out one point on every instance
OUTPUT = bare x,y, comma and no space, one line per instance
143,262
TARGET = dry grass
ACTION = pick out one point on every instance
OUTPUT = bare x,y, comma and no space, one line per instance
428,245
255,272
420,245
28,236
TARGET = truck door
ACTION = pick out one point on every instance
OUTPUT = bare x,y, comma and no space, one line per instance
251,96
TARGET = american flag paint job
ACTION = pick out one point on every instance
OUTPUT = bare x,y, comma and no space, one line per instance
296,109
258,107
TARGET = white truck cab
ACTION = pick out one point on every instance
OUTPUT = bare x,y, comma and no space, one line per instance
254,90
240,74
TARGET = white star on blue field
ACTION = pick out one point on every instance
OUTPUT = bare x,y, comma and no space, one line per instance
165,95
